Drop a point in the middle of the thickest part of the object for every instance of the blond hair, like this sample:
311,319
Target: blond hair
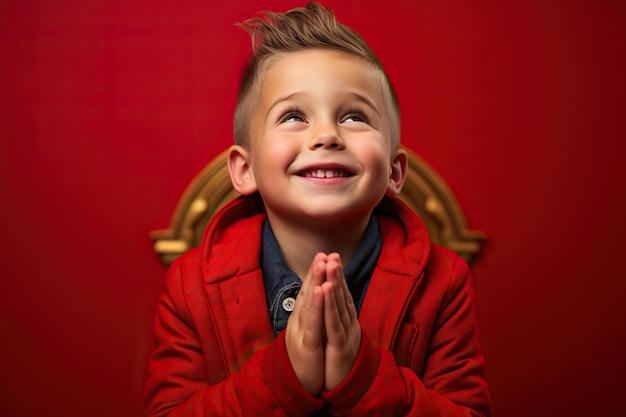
311,27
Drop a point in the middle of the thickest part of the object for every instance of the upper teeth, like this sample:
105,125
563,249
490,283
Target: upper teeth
326,173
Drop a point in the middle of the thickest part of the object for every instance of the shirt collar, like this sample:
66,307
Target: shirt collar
278,277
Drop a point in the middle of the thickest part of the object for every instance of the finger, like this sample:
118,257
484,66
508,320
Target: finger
308,311
314,321
314,278
335,331
317,271
305,330
343,297
305,345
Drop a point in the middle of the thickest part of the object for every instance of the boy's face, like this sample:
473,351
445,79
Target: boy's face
320,139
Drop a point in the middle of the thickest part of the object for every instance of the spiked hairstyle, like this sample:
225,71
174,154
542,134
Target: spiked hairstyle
311,27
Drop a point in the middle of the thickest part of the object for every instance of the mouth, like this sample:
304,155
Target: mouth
325,173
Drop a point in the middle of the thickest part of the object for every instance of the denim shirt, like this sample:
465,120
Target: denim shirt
282,284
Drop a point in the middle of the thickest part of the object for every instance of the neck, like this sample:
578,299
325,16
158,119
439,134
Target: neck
299,243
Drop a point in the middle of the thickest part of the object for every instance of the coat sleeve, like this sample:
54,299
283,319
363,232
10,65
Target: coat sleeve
178,382
452,381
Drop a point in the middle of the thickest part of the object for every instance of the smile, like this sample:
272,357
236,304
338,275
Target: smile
325,173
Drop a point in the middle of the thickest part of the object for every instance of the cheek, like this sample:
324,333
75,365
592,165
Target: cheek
268,160
283,148
377,157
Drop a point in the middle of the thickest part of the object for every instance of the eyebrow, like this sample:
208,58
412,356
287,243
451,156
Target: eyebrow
359,97
282,99
366,100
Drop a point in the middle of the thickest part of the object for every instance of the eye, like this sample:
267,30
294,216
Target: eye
355,115
293,115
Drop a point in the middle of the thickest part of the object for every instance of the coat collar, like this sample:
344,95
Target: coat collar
236,229
231,248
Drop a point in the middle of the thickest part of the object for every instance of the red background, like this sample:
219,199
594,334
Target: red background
109,108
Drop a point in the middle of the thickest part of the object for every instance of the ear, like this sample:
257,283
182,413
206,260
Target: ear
399,161
241,175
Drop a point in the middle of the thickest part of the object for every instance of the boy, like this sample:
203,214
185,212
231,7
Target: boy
366,317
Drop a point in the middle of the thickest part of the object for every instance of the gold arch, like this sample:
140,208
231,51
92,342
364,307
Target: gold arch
424,191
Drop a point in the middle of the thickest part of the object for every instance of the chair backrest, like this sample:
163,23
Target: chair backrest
424,191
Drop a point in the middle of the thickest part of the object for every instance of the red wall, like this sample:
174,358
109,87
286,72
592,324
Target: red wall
109,108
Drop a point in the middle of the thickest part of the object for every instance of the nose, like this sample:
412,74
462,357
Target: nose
327,138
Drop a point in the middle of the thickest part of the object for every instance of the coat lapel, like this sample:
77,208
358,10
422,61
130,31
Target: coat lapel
397,275
239,307
386,301
234,281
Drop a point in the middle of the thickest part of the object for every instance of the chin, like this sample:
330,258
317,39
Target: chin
327,214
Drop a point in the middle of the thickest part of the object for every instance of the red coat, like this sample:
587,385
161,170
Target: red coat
216,353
